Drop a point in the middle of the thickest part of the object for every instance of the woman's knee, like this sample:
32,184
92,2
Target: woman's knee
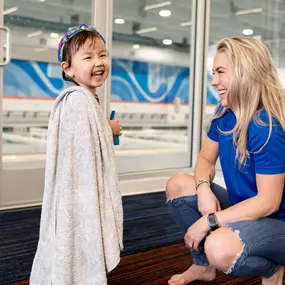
222,248
180,185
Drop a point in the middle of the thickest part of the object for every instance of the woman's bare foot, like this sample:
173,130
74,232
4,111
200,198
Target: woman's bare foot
276,278
195,272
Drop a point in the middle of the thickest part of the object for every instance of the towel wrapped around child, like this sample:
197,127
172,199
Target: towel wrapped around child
81,227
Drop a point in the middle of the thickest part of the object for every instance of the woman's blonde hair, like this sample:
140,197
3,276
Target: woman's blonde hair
254,86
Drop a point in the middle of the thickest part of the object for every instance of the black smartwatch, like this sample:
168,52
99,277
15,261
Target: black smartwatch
212,222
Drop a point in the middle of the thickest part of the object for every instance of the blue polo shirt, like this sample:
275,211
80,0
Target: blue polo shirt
270,159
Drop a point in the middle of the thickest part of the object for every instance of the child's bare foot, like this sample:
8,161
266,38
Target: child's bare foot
276,278
195,272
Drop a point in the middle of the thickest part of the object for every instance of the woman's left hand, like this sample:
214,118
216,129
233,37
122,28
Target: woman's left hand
196,233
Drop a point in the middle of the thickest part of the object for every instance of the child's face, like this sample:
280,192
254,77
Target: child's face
90,64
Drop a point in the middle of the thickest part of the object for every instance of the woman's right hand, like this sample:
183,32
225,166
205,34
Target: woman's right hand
207,201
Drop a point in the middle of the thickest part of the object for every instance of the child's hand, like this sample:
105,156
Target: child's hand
116,127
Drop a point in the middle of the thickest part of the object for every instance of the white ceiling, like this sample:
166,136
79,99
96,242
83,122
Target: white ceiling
167,27
56,16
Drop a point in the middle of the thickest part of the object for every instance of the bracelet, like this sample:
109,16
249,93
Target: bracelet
201,181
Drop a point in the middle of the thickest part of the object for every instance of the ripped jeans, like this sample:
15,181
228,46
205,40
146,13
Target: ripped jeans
263,240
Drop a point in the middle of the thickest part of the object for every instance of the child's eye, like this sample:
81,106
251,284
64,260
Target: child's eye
103,55
88,57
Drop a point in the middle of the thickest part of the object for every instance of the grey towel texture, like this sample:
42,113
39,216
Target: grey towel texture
81,232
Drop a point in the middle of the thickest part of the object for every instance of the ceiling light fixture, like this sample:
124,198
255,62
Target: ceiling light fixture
120,21
10,10
165,13
249,11
185,24
158,5
136,46
247,32
167,42
54,35
148,30
40,49
34,34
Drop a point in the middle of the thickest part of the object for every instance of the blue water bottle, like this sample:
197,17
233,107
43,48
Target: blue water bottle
116,138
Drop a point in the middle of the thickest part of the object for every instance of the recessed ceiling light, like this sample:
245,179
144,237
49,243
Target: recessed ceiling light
119,21
167,42
136,46
247,32
10,10
54,35
165,13
148,30
42,0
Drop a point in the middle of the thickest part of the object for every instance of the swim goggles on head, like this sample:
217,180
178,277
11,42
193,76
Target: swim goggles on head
72,31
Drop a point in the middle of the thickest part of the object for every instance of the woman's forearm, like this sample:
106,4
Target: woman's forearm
204,169
250,209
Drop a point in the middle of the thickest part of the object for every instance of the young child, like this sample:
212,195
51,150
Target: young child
82,218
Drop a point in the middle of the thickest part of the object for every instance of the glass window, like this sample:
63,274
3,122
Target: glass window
150,83
33,78
261,19
30,84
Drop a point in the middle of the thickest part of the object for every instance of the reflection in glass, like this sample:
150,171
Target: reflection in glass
150,82
33,78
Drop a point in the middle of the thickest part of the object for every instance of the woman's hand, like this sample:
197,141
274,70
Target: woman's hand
207,201
116,127
196,233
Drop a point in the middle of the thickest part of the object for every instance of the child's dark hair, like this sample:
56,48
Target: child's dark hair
73,45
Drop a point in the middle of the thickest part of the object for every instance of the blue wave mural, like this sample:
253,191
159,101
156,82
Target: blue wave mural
131,81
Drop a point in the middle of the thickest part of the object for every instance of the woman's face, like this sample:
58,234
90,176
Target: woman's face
221,79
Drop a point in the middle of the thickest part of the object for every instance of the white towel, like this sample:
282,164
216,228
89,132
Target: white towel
81,228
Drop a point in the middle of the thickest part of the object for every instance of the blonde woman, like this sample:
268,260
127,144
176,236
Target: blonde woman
240,231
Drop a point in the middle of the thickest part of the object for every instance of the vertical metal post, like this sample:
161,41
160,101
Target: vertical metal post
198,83
102,20
192,65
1,94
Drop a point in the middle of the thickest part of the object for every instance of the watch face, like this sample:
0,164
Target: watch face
212,221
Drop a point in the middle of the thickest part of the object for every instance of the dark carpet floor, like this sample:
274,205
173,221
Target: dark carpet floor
147,225
155,267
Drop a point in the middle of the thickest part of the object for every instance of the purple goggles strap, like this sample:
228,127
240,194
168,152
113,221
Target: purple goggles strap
71,32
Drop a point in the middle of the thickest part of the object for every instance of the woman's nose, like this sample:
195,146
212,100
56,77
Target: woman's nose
215,80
